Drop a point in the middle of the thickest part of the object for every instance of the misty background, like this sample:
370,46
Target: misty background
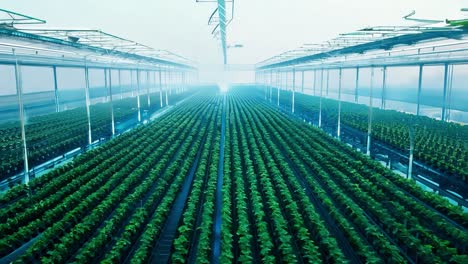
264,28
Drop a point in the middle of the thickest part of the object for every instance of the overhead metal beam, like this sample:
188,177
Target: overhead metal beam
99,51
387,43
222,27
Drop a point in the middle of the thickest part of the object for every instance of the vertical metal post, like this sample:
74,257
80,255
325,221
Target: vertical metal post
293,88
418,109
148,89
166,84
185,82
111,99
175,81
338,130
320,104
170,82
356,94
88,113
369,128
449,94
328,81
384,87
131,83
138,94
315,80
448,75
410,161
302,83
182,81
271,84
445,90
279,87
19,91
177,78
120,85
57,103
160,89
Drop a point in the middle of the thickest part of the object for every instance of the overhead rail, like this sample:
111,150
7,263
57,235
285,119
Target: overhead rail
220,18
347,45
15,30
10,18
369,40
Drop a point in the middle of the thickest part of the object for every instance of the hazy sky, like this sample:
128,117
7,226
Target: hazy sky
264,27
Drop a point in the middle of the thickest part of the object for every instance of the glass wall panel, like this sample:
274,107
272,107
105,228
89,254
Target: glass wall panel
43,124
11,144
432,91
458,99
308,82
100,107
365,84
402,89
348,88
73,117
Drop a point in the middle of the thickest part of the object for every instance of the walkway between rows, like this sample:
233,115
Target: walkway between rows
219,195
162,250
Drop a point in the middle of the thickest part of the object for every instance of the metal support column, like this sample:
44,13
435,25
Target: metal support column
302,83
369,127
271,83
315,81
356,94
138,94
449,94
410,161
88,113
328,82
19,91
57,103
120,85
160,89
131,83
446,69
418,109
320,104
293,88
110,96
279,87
170,82
185,82
166,85
338,130
148,89
384,87
448,78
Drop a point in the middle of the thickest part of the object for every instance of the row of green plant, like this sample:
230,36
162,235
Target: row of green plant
193,234
114,240
361,197
52,135
275,236
441,145
73,222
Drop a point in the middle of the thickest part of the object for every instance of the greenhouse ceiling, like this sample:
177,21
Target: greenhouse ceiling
379,46
40,46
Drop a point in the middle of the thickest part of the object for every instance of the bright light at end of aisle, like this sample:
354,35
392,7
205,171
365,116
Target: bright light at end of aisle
223,87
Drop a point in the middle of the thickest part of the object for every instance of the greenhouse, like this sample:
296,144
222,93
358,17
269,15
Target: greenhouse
223,131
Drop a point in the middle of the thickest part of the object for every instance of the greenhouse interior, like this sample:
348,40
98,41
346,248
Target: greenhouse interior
223,131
